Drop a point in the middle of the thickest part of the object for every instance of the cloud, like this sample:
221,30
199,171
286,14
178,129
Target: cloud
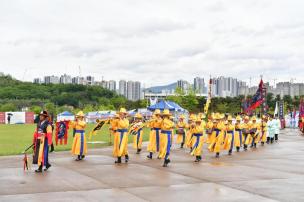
156,42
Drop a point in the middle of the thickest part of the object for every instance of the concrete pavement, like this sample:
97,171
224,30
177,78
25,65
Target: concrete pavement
270,173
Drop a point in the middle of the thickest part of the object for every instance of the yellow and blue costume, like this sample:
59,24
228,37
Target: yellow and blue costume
217,136
166,137
154,136
121,137
181,131
229,135
198,136
79,146
238,135
137,132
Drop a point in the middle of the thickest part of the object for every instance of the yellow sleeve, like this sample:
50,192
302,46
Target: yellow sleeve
49,129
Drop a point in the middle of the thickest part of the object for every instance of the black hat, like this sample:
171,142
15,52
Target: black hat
44,113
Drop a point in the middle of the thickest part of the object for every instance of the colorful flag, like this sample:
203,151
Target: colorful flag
257,99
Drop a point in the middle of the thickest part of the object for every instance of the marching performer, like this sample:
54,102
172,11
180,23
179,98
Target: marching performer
154,136
121,137
277,127
229,137
263,130
254,132
42,140
217,136
189,141
137,132
246,131
197,131
166,134
79,146
238,135
181,131
271,130
209,127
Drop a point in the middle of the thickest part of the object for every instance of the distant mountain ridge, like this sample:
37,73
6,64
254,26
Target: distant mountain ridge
159,89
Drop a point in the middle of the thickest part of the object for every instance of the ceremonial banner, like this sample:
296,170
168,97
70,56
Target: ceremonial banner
281,109
258,98
29,117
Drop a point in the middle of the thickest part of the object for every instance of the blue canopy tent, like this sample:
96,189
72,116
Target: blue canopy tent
65,116
161,105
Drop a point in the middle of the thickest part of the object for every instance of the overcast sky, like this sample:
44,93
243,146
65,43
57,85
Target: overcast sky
153,41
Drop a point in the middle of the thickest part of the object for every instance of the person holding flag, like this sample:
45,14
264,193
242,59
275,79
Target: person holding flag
79,146
41,141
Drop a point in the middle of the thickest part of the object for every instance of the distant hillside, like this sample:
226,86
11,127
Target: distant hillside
159,89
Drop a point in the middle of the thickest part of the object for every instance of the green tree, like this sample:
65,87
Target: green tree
8,107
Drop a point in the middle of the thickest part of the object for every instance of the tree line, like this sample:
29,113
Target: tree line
17,95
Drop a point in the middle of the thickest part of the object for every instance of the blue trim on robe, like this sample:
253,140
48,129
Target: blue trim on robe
168,134
157,138
138,136
197,135
121,131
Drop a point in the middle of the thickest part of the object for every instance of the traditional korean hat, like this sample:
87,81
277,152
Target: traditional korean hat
44,113
229,118
198,119
182,116
166,112
80,114
122,111
192,117
246,118
238,118
138,116
157,112
253,118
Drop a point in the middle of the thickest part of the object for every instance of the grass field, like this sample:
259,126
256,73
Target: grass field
15,138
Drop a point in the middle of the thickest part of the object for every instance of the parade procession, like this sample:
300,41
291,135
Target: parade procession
220,133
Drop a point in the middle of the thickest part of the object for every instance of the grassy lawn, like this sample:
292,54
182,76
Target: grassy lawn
15,138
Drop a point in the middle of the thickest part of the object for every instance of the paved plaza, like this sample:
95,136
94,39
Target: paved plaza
270,173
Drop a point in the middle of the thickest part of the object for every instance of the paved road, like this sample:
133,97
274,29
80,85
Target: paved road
270,173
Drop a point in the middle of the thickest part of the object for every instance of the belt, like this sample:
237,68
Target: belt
156,128
230,131
79,131
197,134
122,130
168,132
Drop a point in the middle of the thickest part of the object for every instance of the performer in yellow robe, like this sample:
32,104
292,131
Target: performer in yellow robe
209,127
263,130
229,137
246,131
181,131
79,146
189,141
198,138
121,145
238,135
254,131
217,137
137,132
166,131
154,136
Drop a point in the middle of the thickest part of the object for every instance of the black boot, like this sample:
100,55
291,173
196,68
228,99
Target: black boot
262,143
245,147
230,152
190,149
47,167
52,148
150,155
197,159
182,145
127,158
217,155
237,149
118,160
276,137
78,158
166,162
83,156
254,145
39,170
138,151
268,140
271,140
